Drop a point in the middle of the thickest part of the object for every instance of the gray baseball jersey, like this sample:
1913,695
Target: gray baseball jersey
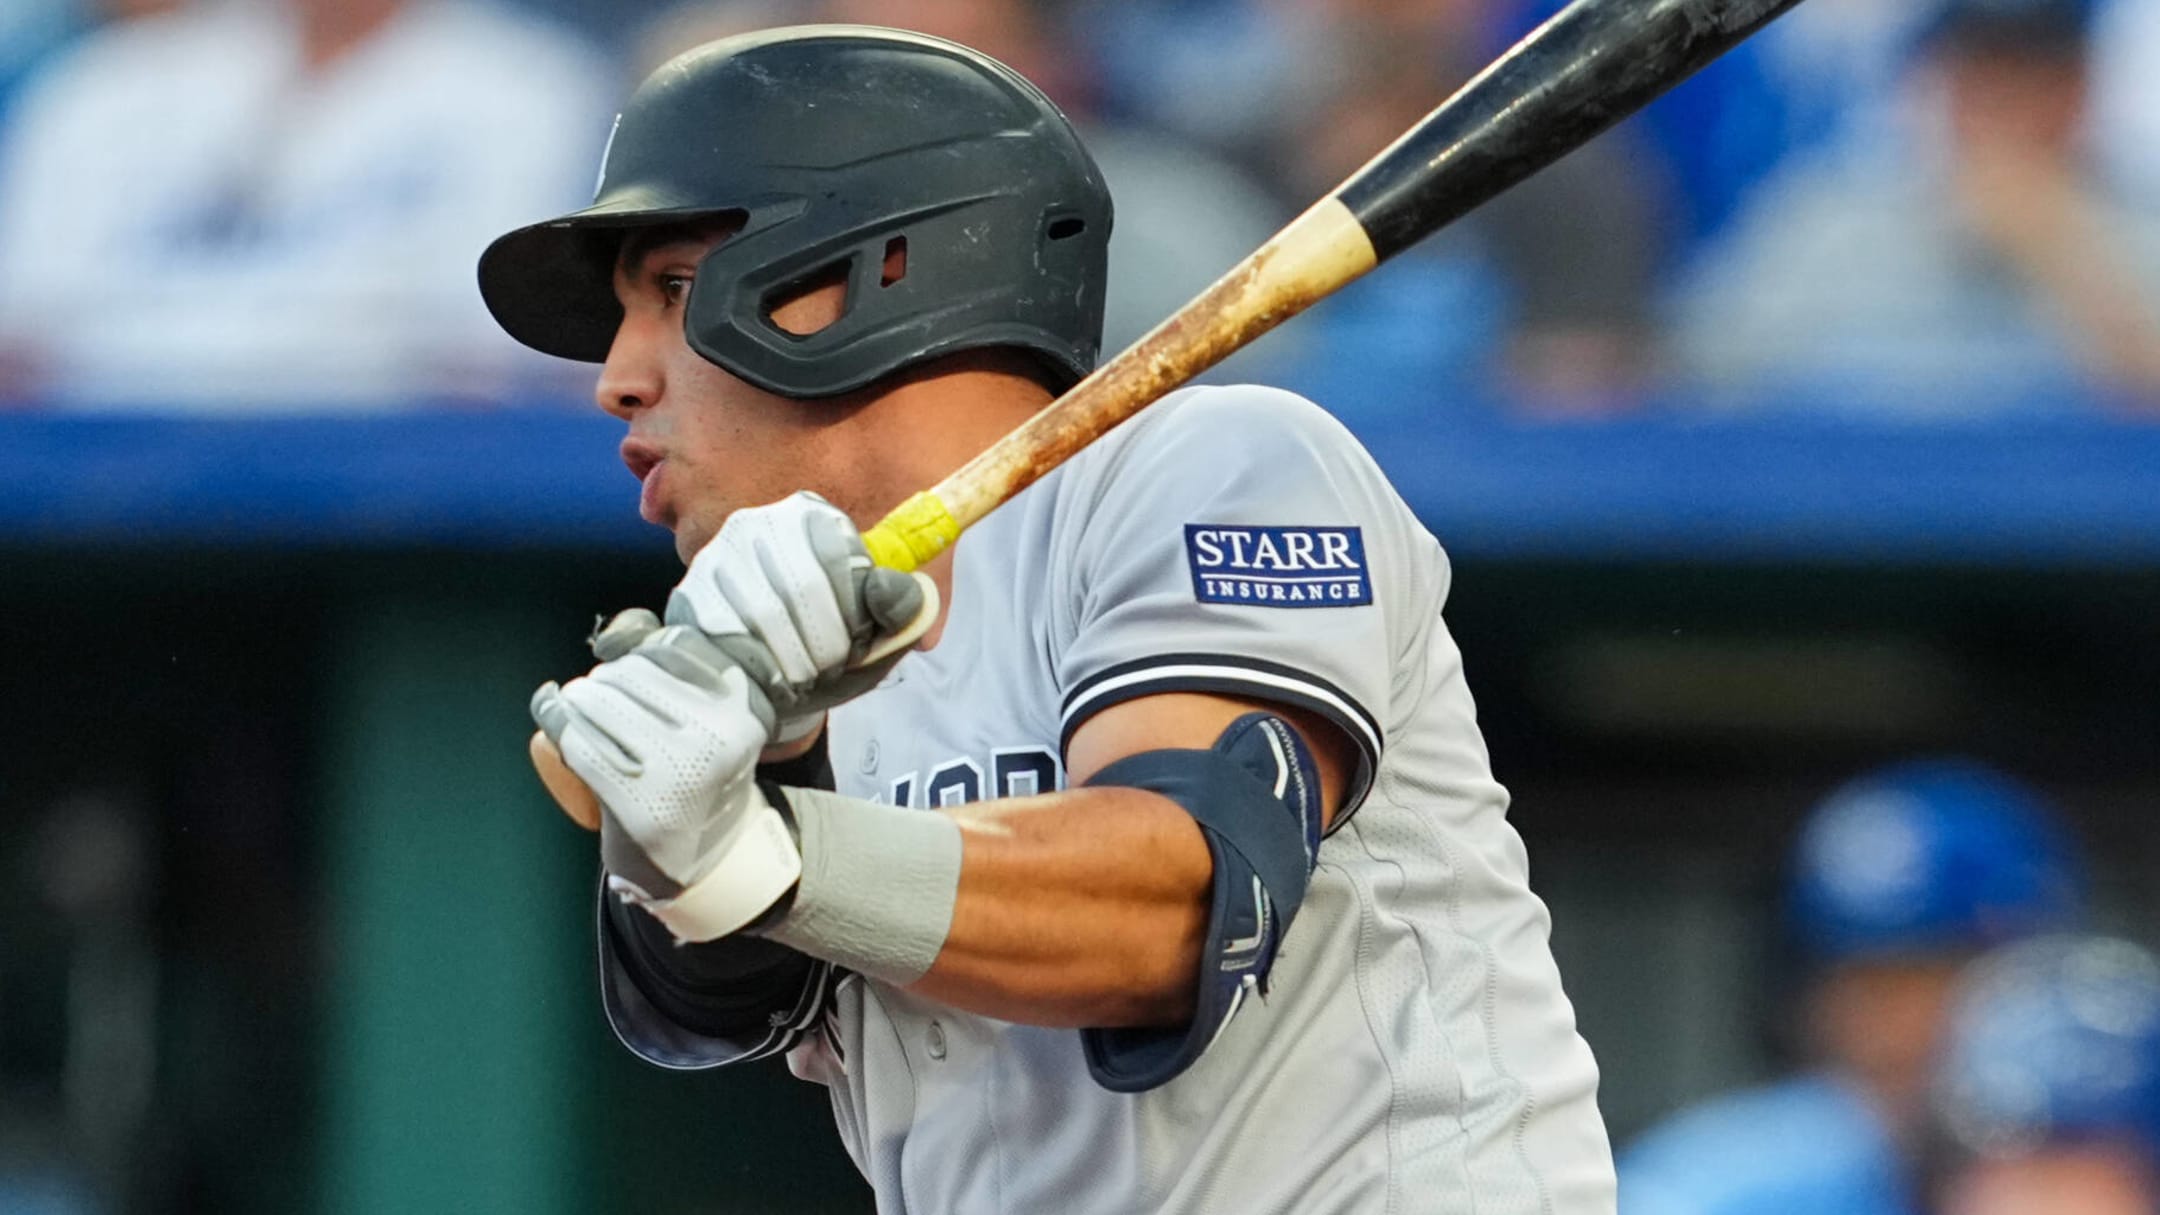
1414,1052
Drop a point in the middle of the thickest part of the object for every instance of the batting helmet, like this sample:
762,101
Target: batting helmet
1928,857
2054,1040
831,143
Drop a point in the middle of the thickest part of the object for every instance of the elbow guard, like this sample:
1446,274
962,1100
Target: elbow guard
1256,797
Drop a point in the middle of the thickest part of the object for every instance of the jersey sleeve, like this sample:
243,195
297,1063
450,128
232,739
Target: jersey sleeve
1241,544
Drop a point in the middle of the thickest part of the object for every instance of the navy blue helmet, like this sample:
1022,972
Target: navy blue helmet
834,146
2054,1040
1929,857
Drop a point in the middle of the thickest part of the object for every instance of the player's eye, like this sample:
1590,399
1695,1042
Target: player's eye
676,287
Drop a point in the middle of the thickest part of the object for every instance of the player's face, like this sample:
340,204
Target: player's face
1880,1022
1999,101
701,441
2095,1180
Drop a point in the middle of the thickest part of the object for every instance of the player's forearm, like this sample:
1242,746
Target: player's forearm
1080,908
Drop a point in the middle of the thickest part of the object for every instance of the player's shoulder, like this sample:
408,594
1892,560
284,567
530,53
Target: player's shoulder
1766,1145
1226,430
1203,454
1248,413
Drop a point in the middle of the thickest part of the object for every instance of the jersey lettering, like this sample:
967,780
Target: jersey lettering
956,782
1023,771
1014,772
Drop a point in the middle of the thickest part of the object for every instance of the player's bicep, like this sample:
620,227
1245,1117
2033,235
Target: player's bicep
1193,720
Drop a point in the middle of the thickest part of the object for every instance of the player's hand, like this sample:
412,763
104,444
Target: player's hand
666,731
795,578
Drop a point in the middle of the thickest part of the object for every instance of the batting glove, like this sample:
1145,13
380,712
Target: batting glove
795,578
667,735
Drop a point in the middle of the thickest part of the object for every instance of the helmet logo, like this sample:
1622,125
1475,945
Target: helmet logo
605,150
1869,853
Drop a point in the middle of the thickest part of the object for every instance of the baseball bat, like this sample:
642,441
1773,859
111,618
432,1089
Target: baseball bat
1593,64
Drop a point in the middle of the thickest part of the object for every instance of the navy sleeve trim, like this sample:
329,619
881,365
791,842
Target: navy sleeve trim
1232,675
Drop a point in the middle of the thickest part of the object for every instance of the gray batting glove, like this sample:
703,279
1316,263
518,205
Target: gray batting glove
666,731
794,578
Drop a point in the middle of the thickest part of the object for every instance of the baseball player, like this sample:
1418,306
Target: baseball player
1168,872
2047,1099
1898,879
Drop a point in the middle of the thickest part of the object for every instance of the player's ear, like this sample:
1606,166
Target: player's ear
821,299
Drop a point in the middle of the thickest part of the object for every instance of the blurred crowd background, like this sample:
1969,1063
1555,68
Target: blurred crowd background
1870,210
1849,837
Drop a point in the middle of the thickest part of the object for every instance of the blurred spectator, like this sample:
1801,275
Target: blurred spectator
2048,1099
1220,73
29,30
1710,138
2126,96
679,27
1541,296
1418,331
264,204
1836,64
1816,76
1982,268
1897,880
33,31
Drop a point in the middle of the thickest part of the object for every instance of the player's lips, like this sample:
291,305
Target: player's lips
644,462
650,508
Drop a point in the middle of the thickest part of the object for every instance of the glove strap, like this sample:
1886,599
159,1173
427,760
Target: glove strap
760,865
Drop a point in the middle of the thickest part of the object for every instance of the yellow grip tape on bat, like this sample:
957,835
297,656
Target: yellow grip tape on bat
916,531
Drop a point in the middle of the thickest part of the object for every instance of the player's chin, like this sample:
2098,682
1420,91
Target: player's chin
691,535
687,543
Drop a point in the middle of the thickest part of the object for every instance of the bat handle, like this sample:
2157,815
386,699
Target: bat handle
909,633
566,787
576,798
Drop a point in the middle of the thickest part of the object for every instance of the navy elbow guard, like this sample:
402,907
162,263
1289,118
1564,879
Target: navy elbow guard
1256,797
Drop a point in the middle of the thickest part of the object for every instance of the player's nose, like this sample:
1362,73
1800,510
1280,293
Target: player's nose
631,379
